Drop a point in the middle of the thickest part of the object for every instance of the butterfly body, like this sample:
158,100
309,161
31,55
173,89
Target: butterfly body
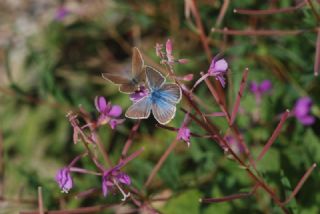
161,99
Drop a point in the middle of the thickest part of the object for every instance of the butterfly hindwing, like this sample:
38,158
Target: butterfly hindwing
163,110
140,110
127,88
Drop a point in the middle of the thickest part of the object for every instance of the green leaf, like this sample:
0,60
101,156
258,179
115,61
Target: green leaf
187,202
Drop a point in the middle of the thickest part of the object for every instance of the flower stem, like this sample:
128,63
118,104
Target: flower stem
274,135
270,11
130,139
40,201
300,184
160,162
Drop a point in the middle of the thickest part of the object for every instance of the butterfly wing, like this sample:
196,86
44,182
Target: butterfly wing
154,78
140,109
123,77
171,92
163,110
127,88
137,63
164,106
129,80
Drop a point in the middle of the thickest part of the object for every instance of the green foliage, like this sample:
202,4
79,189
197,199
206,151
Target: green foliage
61,69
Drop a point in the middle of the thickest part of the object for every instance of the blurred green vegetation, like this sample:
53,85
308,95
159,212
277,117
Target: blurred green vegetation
60,68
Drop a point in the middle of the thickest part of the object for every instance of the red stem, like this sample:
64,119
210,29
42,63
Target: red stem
40,201
240,93
230,197
317,55
160,162
274,135
130,139
300,184
258,32
131,157
270,11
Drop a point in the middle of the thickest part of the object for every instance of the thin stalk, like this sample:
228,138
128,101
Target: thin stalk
130,139
160,162
258,32
222,12
84,171
218,100
2,165
239,96
40,201
270,11
314,11
300,184
274,135
317,55
131,157
230,197
97,140
202,35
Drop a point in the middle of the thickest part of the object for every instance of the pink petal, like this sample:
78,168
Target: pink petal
183,61
221,79
307,120
104,189
100,103
124,178
115,122
169,47
221,65
115,111
265,86
254,88
169,52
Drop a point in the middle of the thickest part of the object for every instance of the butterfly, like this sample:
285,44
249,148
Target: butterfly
161,99
129,81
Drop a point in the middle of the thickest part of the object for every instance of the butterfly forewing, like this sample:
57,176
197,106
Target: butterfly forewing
137,63
171,91
141,109
117,78
154,78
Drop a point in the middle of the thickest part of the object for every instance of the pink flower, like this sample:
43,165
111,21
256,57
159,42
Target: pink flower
260,89
64,179
167,56
169,52
217,69
113,178
61,13
184,134
302,110
108,113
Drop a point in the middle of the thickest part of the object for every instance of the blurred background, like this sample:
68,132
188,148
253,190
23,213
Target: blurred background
52,54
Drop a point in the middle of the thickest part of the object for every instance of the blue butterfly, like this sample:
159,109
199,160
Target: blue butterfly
161,99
